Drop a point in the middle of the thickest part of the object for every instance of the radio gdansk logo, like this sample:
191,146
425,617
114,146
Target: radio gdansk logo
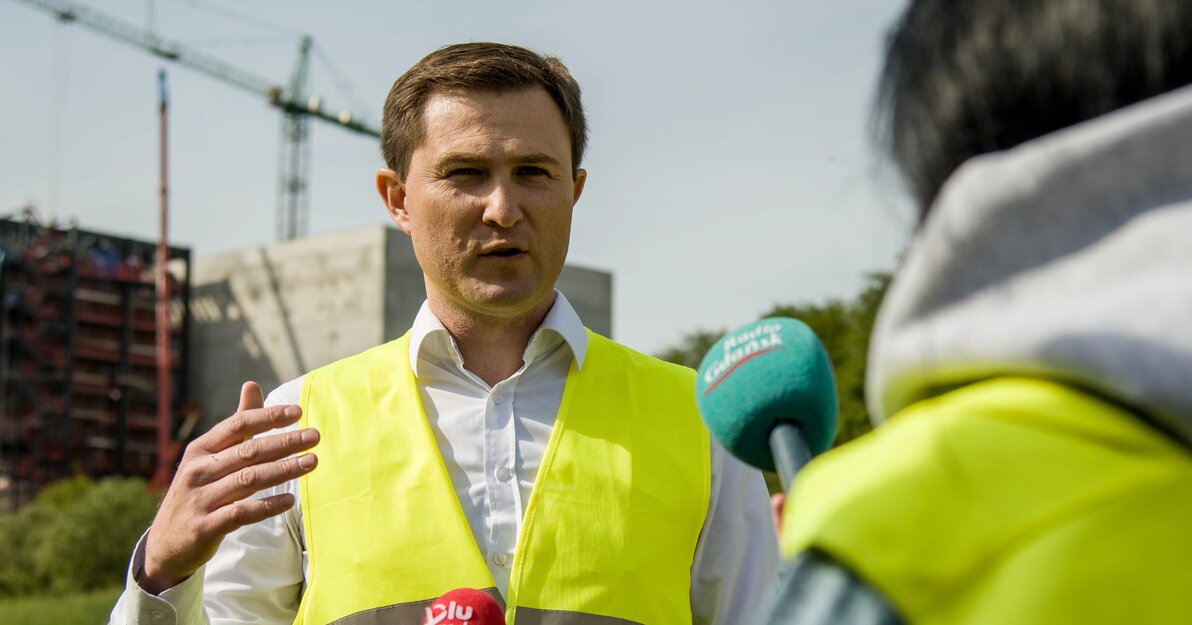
741,348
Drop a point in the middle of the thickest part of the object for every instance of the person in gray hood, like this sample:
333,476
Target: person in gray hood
1031,367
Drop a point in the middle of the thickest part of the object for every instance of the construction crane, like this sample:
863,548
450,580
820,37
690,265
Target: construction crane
296,107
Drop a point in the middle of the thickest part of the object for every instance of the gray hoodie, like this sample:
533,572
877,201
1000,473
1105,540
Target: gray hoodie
1068,257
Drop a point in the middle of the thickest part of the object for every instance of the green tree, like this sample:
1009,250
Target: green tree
20,534
692,347
94,536
845,328
77,535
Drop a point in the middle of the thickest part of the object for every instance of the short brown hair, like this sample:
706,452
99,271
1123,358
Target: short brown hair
479,67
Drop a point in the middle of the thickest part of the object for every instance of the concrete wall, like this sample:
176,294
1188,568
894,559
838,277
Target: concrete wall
405,288
271,313
590,292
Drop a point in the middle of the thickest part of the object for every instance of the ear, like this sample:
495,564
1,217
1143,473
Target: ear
393,194
581,177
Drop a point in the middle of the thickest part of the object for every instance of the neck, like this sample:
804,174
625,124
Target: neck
492,347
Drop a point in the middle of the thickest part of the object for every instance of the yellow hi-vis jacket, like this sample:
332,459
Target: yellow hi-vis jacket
1008,501
607,538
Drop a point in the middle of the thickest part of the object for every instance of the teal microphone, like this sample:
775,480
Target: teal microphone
767,393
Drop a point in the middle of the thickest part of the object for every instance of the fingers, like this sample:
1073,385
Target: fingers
241,513
218,471
244,425
253,451
250,397
777,502
228,490
251,418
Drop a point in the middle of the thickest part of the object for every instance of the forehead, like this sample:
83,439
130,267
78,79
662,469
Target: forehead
494,122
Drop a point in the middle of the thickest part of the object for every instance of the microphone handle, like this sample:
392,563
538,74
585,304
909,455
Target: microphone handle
790,451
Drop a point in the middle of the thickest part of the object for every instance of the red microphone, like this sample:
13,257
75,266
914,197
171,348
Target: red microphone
464,606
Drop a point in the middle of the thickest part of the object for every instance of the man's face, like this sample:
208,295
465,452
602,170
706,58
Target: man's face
487,202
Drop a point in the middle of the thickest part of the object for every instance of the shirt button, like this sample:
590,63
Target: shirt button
157,615
504,474
500,559
498,398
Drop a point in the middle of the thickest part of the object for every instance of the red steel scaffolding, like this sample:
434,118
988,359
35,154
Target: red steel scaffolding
78,387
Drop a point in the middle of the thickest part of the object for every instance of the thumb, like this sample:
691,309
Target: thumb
250,397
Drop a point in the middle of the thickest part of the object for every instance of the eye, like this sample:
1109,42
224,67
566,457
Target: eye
532,170
463,171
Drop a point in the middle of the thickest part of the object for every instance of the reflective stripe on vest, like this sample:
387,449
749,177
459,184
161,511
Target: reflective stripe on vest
607,537
415,612
411,612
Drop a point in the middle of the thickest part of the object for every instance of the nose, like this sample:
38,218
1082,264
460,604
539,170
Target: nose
501,206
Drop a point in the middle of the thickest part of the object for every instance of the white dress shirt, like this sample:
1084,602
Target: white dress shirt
258,573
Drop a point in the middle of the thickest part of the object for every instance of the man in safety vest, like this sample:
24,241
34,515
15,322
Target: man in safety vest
498,445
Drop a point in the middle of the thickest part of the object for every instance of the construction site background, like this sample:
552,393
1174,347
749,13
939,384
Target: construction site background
77,342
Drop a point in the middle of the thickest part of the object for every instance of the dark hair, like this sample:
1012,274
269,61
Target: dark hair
966,77
480,67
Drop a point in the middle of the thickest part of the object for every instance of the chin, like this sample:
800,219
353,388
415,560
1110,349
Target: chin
507,301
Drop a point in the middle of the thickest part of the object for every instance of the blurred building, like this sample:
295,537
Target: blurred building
78,377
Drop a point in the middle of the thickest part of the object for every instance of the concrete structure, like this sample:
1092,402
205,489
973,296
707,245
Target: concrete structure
269,314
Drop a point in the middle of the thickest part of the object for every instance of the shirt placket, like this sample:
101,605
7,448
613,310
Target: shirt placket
503,498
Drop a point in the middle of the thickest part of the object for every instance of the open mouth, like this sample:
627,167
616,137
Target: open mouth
504,252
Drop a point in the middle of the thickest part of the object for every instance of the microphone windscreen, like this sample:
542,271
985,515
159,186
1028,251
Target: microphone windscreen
464,606
759,375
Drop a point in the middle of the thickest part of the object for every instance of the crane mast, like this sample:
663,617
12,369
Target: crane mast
297,109
293,201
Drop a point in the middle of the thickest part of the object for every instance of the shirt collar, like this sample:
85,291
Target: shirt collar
427,335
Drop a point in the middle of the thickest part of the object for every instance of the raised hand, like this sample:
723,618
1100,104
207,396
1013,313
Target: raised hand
218,471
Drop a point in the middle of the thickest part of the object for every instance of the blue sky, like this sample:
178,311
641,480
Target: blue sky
730,162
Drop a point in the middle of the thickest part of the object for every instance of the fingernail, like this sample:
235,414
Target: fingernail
306,461
292,411
309,435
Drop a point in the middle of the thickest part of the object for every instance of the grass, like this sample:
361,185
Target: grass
87,608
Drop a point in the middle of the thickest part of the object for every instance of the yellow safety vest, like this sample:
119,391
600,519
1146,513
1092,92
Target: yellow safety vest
608,535
1008,501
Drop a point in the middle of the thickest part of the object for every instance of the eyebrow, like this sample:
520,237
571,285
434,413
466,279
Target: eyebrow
537,158
540,158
